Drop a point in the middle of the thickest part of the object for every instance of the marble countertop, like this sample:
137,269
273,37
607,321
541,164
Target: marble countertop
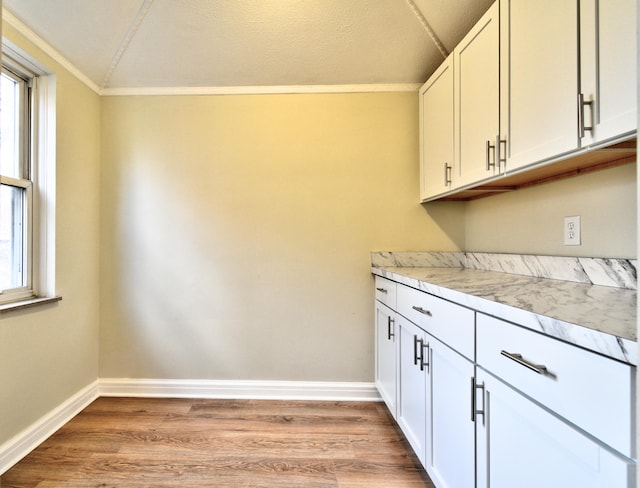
598,318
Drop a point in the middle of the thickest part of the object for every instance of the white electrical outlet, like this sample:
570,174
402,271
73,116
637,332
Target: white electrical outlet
572,231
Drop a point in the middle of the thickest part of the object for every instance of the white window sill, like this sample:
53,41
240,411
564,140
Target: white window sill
31,302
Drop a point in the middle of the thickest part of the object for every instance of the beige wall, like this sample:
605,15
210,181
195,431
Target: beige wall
530,221
237,231
49,353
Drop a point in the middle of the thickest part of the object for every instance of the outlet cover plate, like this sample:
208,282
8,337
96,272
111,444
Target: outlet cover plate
572,231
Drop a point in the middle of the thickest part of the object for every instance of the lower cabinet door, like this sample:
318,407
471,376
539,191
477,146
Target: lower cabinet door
385,354
412,386
450,453
521,444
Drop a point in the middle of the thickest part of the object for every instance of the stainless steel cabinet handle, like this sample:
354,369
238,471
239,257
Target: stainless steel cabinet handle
447,174
473,399
382,290
390,323
424,364
416,355
538,368
488,149
474,409
422,311
581,127
501,156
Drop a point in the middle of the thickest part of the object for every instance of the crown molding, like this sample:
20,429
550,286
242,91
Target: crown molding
48,49
260,90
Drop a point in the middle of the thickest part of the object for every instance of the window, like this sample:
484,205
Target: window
25,181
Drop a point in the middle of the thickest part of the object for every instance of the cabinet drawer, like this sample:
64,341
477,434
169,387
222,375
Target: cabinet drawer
386,292
587,389
448,322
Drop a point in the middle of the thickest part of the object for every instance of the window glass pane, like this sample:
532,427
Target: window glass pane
12,252
9,137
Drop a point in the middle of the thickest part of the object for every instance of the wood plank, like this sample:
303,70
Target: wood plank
132,442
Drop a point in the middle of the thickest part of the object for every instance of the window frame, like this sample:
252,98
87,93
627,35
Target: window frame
26,121
38,179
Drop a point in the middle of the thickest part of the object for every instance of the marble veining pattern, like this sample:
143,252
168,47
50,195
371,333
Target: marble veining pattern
418,259
617,273
611,272
598,318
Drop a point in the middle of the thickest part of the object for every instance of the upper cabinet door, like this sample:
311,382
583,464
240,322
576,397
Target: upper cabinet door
477,84
607,69
436,132
539,77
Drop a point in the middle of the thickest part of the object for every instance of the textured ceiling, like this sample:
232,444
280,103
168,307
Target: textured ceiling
231,43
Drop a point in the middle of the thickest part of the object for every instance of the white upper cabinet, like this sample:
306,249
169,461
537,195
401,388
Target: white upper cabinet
534,84
539,76
477,70
436,132
608,91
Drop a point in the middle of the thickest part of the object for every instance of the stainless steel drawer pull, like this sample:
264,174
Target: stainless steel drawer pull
538,368
382,290
422,310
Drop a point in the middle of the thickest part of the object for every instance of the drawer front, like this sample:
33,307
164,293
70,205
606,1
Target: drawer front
386,292
587,389
450,323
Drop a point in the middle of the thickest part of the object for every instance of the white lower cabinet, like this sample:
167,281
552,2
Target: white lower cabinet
435,374
450,445
554,415
591,391
412,385
386,355
485,403
521,444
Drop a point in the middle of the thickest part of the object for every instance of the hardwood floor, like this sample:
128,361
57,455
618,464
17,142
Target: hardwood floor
133,442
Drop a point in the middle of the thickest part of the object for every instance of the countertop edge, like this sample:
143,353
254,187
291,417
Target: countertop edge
609,345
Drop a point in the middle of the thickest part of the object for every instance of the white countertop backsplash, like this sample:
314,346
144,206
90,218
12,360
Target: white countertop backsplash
589,302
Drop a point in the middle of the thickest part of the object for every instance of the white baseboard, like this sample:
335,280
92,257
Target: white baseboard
258,390
23,443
